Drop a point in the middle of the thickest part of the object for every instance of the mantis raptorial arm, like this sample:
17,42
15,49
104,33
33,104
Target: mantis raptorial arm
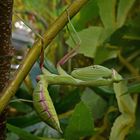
89,76
127,107
77,43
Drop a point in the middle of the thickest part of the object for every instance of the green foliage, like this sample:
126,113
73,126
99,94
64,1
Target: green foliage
69,101
133,88
90,40
123,9
81,123
105,53
107,12
24,120
93,38
22,133
21,107
85,15
91,100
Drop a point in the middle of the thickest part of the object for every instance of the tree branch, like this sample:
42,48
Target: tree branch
6,53
35,51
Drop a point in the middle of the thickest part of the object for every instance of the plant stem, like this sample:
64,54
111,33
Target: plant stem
35,51
133,70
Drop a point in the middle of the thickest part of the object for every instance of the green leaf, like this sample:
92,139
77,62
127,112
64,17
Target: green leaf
107,12
134,136
34,72
21,107
90,41
50,66
123,9
81,123
104,91
24,121
105,53
91,100
22,133
86,16
11,136
134,88
69,101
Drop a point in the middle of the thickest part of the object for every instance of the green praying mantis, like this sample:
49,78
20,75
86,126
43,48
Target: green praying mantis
88,76
95,75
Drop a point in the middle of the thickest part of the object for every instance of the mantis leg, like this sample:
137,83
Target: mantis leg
127,107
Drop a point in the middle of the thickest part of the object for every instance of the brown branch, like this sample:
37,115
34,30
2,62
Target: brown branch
34,53
6,52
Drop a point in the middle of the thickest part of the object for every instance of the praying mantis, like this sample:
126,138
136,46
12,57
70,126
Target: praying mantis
95,75
89,76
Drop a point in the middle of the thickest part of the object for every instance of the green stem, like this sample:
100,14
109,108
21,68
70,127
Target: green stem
35,51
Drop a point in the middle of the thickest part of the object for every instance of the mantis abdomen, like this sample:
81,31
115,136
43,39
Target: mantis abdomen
44,105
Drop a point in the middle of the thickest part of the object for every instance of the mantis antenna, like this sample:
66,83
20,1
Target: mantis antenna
79,40
33,30
73,52
38,35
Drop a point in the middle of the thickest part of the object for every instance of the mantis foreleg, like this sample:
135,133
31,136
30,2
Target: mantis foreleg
127,107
